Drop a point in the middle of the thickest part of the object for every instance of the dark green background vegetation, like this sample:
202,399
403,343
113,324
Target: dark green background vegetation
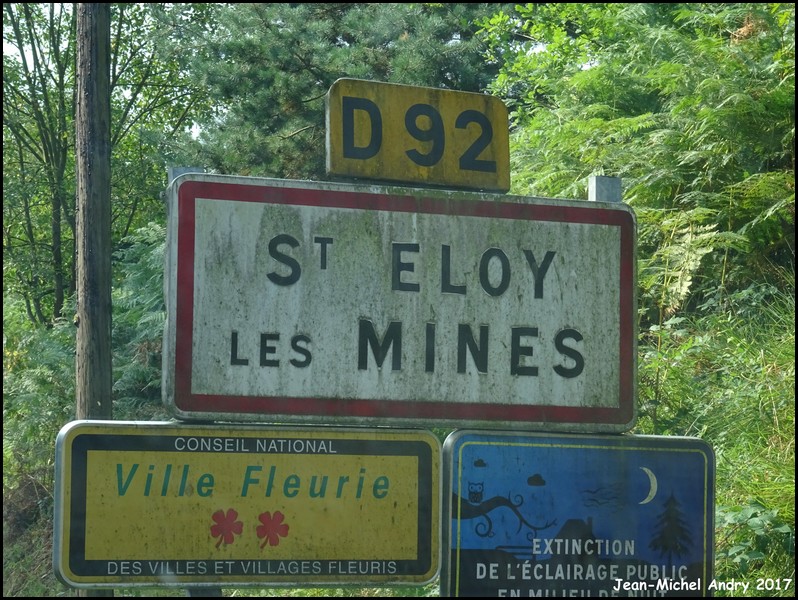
691,105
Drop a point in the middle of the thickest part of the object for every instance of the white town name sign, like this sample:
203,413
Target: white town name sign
333,303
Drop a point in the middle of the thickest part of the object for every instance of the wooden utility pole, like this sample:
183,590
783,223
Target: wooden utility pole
93,158
93,236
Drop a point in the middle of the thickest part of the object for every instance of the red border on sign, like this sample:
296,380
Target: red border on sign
266,406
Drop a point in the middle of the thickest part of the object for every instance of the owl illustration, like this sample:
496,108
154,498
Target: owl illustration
475,492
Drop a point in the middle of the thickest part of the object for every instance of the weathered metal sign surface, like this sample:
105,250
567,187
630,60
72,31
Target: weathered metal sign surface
168,504
300,301
534,515
417,135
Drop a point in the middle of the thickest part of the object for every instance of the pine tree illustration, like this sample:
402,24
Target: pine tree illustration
672,536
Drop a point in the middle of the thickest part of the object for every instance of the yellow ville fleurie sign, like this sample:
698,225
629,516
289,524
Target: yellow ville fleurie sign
143,503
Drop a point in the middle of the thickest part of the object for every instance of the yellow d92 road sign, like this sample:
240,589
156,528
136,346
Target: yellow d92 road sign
383,131
169,504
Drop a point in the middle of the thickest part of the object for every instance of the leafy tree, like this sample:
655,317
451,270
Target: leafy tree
153,98
268,67
692,105
38,108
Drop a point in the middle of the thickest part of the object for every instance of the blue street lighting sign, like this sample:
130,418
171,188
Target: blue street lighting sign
542,515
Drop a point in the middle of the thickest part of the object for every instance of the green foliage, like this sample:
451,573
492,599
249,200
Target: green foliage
153,99
38,398
38,391
692,105
39,364
38,124
27,559
269,66
729,378
138,323
673,245
752,537
39,372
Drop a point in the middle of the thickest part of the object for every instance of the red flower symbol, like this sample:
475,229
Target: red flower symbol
272,529
226,526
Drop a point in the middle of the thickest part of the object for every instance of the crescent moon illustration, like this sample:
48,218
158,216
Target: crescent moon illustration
653,491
